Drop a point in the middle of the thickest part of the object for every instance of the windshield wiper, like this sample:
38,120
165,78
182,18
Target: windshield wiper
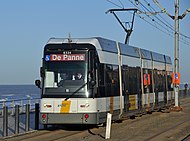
76,91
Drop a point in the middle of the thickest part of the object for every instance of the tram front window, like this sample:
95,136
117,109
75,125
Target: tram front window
64,78
57,73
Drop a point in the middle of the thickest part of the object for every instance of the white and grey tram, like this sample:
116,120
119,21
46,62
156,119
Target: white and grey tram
84,79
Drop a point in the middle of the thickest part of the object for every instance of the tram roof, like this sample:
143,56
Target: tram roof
158,57
145,54
168,59
100,43
129,50
111,46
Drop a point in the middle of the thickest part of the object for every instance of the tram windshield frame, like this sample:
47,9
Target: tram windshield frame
61,74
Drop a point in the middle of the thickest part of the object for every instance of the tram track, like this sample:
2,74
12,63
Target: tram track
171,130
46,135
168,130
56,135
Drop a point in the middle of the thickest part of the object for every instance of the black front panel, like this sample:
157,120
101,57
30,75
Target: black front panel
66,70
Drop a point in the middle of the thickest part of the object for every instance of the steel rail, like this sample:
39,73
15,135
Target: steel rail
51,135
168,129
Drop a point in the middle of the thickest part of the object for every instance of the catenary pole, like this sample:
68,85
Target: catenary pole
176,19
176,52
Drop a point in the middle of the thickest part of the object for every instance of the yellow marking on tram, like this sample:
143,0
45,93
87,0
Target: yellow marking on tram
65,106
132,101
111,104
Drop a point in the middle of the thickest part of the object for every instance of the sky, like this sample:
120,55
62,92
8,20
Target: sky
26,26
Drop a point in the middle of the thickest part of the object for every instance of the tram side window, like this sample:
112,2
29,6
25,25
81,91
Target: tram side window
111,80
115,78
133,80
169,81
101,75
109,70
108,80
159,80
156,81
93,64
162,82
101,81
150,85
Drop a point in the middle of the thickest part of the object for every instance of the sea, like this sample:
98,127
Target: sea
11,95
18,94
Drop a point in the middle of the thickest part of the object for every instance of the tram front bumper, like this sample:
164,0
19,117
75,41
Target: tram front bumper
69,118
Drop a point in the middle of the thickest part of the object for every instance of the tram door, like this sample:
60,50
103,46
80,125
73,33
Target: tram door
156,86
165,86
131,88
160,87
125,77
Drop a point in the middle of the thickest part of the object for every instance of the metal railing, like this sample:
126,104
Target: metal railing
17,119
184,93
13,111
21,102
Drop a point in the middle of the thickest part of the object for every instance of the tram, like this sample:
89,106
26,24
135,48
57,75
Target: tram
83,79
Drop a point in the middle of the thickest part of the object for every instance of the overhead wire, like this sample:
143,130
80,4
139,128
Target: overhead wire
121,4
167,26
170,32
127,24
158,22
164,10
152,19
114,3
159,15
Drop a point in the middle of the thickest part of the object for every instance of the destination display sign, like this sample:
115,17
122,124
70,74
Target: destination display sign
65,57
